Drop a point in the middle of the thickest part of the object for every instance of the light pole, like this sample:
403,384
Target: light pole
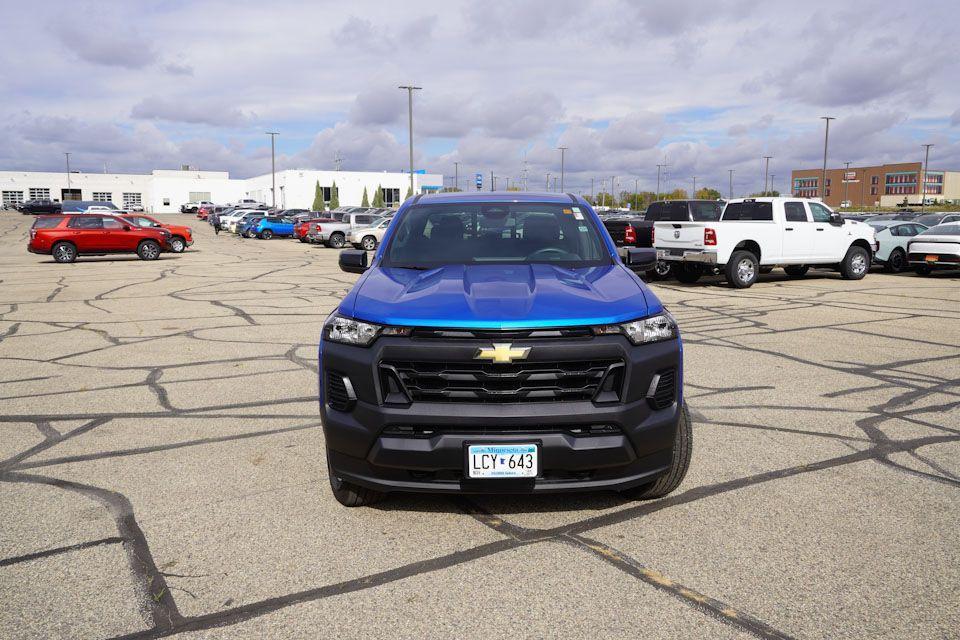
591,189
273,168
846,183
67,153
823,176
554,183
766,172
456,176
563,151
730,193
613,190
694,194
923,178
659,167
410,89
636,192
772,188
548,181
493,182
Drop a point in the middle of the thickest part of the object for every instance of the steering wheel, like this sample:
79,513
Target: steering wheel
547,252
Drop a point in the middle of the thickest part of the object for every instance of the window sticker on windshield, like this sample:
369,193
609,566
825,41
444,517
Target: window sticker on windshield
568,211
582,228
577,214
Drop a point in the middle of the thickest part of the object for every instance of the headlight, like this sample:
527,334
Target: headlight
646,330
350,331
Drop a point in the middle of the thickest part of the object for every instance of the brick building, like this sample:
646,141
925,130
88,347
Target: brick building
883,185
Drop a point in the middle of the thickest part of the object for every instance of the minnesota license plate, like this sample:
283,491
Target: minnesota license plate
502,461
933,258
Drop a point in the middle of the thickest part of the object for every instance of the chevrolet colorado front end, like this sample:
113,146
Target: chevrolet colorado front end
497,343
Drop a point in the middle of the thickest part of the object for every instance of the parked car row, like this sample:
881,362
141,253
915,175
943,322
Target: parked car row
39,207
69,236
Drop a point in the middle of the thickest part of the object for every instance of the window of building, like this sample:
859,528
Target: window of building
828,190
873,190
12,197
102,196
390,196
39,194
828,182
131,199
199,196
874,179
166,202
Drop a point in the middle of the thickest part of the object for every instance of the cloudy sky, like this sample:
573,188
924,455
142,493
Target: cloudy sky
703,87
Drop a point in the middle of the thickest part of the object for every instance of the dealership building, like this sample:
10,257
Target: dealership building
884,185
164,190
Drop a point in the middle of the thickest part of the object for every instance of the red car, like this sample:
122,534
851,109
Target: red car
67,236
204,212
301,229
181,236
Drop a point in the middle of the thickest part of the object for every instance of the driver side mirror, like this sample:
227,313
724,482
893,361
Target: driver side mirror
836,219
640,259
126,227
353,261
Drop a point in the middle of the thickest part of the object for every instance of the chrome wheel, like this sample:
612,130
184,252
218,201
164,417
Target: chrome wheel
858,264
746,270
64,253
662,268
177,245
369,243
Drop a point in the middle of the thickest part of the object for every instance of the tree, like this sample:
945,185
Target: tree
765,194
318,203
604,199
378,197
676,194
334,196
409,193
365,202
708,194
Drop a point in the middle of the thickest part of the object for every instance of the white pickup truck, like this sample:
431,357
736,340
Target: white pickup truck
762,233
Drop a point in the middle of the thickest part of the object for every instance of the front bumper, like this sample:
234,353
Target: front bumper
687,255
584,445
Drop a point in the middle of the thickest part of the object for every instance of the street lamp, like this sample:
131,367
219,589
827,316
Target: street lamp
273,167
563,151
659,167
410,89
548,181
846,182
766,172
694,193
67,153
923,178
456,176
730,193
826,139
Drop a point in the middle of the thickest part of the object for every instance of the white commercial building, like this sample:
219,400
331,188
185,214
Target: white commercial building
163,190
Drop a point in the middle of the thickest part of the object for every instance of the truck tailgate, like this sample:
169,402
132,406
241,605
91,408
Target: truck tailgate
677,236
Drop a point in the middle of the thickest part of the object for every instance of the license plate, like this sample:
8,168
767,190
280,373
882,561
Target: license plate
933,258
502,461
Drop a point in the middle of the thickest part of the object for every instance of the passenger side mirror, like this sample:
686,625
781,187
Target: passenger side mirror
836,219
353,261
641,259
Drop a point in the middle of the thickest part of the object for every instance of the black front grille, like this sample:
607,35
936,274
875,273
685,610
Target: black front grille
339,396
665,391
501,334
490,382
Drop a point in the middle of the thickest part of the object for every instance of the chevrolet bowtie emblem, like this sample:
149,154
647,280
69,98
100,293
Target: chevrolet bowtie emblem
502,352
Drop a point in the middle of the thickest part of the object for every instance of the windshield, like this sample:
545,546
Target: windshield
942,230
930,218
428,236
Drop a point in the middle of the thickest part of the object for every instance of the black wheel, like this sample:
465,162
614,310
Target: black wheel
369,243
923,269
855,264
796,270
765,270
336,241
177,244
349,494
679,463
660,271
266,234
742,269
896,261
687,272
148,250
64,252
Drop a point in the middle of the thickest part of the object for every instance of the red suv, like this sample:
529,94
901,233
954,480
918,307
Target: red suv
65,237
181,236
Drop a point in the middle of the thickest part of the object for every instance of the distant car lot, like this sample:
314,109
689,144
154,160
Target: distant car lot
161,468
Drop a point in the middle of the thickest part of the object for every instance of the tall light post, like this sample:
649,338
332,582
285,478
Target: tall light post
410,89
563,151
636,192
826,140
591,190
923,179
456,176
273,168
493,182
766,172
730,192
846,183
694,194
67,153
659,167
547,188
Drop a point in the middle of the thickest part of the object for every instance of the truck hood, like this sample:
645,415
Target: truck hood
500,296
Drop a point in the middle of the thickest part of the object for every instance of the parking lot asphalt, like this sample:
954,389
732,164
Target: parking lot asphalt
163,472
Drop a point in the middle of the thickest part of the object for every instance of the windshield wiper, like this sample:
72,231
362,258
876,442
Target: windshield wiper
415,267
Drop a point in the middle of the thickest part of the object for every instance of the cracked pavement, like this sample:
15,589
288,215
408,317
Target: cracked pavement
162,469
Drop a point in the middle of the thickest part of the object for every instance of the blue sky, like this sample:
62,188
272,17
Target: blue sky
625,85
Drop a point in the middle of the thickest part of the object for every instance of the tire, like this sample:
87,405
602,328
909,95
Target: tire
896,261
796,270
304,240
688,273
679,463
148,250
266,234
349,494
661,271
64,252
336,241
368,243
742,269
855,264
177,244
923,269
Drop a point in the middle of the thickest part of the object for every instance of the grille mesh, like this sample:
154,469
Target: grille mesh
337,396
666,390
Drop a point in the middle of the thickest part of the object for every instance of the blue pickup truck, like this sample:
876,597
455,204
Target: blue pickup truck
497,343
